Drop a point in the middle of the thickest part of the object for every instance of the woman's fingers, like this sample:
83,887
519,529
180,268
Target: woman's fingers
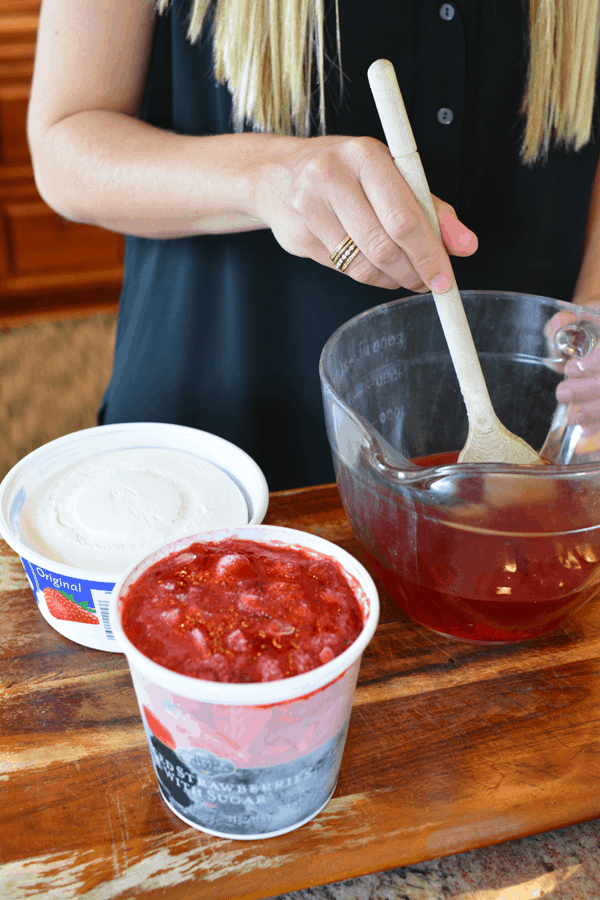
586,412
396,232
347,258
330,188
458,239
381,215
581,390
554,325
578,390
330,199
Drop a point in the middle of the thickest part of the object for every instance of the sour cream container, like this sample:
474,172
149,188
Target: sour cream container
74,599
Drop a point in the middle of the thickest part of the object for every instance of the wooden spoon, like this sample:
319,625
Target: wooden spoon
488,440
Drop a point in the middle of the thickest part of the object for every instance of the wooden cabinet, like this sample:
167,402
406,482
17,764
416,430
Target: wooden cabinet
46,262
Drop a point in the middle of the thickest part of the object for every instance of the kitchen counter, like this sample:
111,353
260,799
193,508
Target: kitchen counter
453,750
559,865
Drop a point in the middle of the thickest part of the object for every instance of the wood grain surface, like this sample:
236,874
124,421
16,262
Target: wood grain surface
451,746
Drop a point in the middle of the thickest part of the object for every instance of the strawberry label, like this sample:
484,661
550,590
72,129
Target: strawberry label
209,791
63,606
71,599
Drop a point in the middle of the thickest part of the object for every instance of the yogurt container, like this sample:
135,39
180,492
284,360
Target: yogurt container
99,479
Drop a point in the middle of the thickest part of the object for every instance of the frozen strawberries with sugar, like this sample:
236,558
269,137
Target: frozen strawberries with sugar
242,611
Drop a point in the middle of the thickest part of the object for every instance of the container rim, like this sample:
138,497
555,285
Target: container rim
387,467
258,509
261,693
428,297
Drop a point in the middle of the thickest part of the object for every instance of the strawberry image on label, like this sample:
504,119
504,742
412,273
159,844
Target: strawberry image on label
64,607
158,729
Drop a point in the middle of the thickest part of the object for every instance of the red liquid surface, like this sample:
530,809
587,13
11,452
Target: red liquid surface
437,459
473,586
241,611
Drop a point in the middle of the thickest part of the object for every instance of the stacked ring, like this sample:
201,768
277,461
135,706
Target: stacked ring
344,253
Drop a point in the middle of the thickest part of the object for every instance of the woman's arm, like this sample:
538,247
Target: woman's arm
96,162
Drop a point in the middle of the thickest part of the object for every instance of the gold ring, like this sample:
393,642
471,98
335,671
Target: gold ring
344,253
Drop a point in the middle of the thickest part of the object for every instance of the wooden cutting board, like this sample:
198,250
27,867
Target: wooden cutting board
451,746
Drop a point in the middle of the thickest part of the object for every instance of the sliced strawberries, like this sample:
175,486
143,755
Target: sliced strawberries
61,607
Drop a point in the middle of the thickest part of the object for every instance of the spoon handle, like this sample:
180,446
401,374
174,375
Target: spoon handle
403,147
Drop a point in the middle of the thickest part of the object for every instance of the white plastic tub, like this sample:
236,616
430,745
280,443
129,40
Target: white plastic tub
90,590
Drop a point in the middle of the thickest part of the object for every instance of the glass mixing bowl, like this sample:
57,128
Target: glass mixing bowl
486,552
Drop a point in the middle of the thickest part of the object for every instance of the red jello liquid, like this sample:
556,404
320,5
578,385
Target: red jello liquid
472,584
480,620
242,611
436,459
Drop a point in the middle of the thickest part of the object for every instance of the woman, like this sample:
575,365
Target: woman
230,287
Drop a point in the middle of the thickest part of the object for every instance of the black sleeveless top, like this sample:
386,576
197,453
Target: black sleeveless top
224,332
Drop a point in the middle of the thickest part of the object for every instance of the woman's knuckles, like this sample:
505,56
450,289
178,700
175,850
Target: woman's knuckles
407,230
382,251
323,169
303,201
327,169
361,151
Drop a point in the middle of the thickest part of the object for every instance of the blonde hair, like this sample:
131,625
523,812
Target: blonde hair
559,101
266,51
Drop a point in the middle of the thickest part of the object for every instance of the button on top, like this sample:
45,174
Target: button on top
444,115
447,12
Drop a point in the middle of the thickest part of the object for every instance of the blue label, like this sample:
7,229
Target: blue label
31,577
214,794
91,596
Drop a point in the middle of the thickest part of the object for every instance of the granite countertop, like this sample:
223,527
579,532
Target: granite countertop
560,865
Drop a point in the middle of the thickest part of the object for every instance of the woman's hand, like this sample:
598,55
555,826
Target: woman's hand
580,389
96,162
313,192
